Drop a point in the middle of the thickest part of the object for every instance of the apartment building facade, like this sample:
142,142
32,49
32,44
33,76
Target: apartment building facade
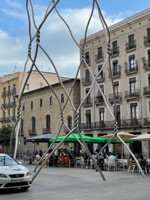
41,113
130,67
9,88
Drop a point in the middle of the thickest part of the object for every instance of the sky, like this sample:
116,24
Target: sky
54,36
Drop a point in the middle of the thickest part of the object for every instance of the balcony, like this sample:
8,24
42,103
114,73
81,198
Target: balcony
99,57
131,46
87,80
132,94
146,122
46,130
115,74
87,126
101,77
87,102
131,69
146,64
32,132
88,61
147,40
122,124
99,125
114,52
99,101
118,97
4,94
146,91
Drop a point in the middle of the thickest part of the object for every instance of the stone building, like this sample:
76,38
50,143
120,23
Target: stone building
130,67
41,112
10,86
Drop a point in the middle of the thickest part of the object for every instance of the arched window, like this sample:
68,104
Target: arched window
33,125
62,98
40,102
48,123
50,100
69,122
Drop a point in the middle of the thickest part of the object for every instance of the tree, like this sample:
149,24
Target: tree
5,133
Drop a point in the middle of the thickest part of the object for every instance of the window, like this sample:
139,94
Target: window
21,127
4,90
31,104
134,111
14,87
51,100
62,98
48,123
9,101
132,85
9,89
101,114
99,93
116,88
8,112
4,114
40,102
23,106
87,76
131,41
88,97
14,113
114,47
148,34
148,55
33,124
115,68
27,87
101,74
88,118
132,63
87,58
100,53
69,122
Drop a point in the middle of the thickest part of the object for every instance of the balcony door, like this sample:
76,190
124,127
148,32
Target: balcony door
88,118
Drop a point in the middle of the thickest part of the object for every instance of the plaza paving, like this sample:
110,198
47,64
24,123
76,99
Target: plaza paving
83,184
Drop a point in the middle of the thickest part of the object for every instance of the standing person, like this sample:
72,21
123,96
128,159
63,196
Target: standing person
56,158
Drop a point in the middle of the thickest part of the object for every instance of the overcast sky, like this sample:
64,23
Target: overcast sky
55,38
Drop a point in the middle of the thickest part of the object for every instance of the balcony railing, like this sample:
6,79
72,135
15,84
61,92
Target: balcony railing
132,94
131,46
32,132
115,74
87,80
46,130
100,78
99,100
118,97
99,57
146,64
146,122
147,40
88,61
114,52
131,69
146,91
126,123
87,102
4,93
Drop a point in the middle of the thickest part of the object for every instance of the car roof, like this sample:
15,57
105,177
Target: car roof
3,154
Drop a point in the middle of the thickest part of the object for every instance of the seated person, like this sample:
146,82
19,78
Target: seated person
111,157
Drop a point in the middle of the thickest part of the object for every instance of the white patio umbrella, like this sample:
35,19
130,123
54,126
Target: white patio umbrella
124,136
142,137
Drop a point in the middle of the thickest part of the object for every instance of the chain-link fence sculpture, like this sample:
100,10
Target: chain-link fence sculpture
32,57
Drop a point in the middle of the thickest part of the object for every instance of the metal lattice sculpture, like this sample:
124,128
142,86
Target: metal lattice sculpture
32,57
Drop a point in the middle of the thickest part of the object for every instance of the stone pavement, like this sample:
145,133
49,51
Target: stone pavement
84,184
